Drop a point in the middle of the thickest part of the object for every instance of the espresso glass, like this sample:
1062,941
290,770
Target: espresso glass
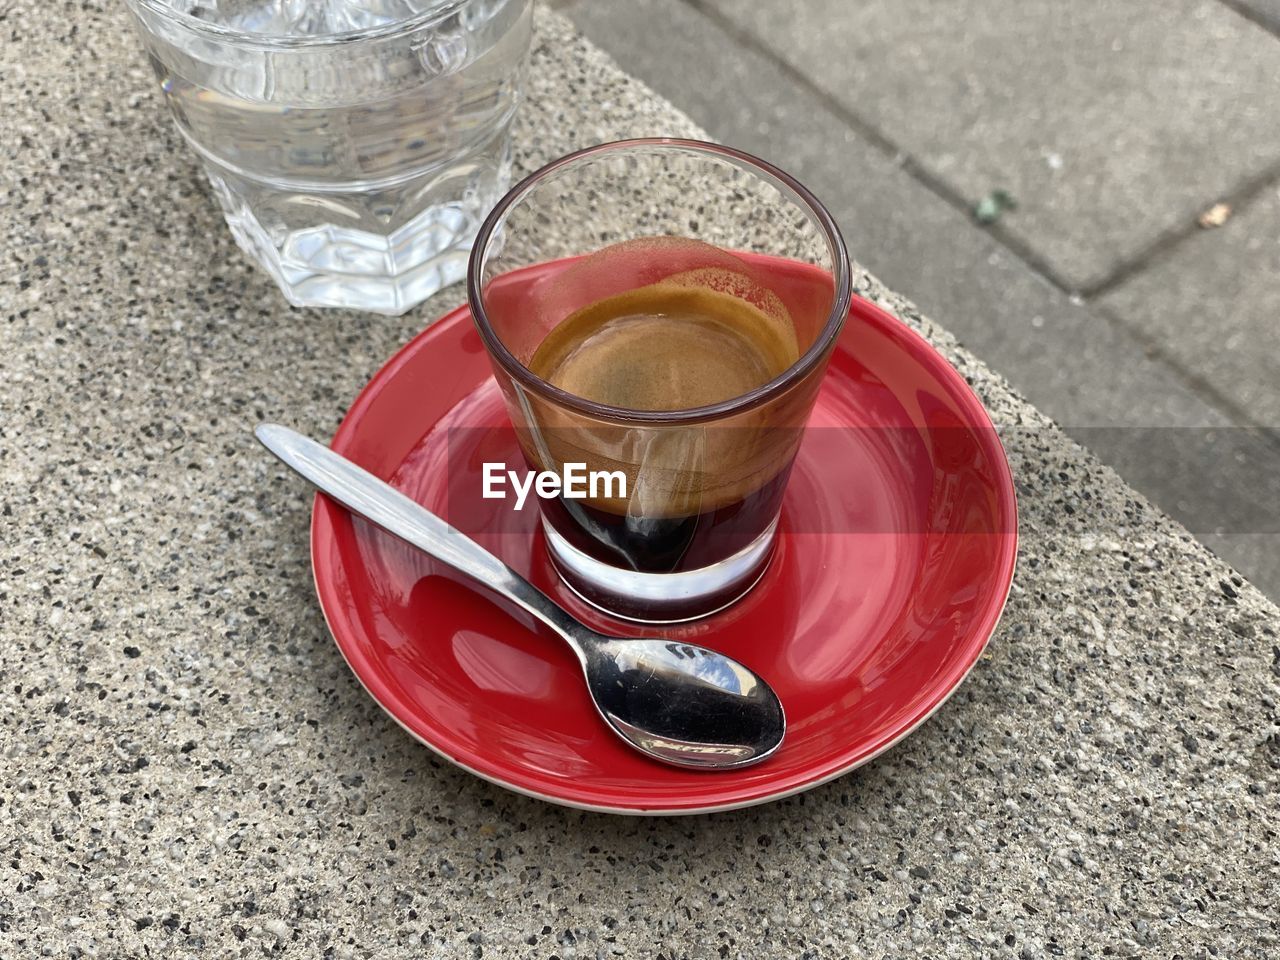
694,528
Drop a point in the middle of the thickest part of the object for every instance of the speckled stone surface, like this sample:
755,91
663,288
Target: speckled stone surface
191,771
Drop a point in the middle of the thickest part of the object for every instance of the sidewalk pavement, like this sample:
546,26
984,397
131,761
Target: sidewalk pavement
1113,127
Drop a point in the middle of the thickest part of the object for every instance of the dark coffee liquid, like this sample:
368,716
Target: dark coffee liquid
694,339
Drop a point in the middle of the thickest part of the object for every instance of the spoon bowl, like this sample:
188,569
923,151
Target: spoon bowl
683,704
676,702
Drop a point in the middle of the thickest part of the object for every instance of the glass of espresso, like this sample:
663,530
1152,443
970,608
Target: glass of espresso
659,314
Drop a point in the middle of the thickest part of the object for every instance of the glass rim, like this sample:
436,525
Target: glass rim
805,364
248,38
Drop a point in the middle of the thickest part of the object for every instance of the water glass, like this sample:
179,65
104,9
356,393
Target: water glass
354,147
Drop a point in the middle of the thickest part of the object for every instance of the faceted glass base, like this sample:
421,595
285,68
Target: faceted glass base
336,266
342,248
660,597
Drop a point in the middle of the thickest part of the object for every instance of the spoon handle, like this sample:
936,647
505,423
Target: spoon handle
379,502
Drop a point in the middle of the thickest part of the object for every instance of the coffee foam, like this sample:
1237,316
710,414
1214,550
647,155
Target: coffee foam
626,266
688,341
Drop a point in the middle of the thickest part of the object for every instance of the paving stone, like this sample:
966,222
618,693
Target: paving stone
1110,123
1214,304
1266,12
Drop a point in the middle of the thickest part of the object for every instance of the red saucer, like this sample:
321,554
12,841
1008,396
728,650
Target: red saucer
895,555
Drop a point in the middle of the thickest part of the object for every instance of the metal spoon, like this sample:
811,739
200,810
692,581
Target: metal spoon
673,701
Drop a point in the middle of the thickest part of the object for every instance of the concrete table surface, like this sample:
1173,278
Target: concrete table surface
190,769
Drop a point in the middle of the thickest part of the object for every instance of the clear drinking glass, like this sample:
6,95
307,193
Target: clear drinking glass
690,223
354,147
